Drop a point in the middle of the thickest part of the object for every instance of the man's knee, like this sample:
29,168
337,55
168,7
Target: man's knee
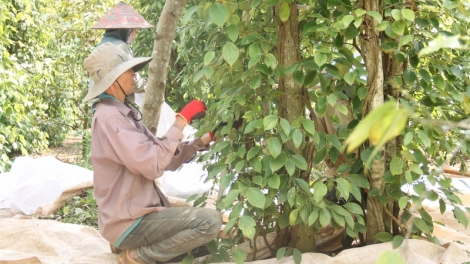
214,220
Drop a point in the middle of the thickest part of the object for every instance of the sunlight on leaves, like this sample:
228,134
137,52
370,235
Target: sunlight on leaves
441,43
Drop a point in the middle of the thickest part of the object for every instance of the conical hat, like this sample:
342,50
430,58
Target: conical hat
122,16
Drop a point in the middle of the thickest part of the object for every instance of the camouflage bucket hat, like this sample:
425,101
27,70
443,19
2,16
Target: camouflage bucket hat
105,64
122,16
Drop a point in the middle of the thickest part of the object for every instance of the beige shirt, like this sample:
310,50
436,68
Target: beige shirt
126,159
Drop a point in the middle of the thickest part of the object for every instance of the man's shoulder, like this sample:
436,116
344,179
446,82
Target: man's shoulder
105,110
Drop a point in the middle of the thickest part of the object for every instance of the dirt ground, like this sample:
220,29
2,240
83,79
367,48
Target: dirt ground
70,151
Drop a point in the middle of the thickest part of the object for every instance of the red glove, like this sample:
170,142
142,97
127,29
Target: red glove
194,110
212,135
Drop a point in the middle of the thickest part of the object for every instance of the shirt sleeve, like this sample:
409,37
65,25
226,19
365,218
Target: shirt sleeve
186,152
140,154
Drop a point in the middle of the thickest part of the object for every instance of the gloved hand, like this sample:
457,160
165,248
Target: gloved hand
194,110
237,125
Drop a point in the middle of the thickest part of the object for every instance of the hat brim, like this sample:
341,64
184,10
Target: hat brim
102,85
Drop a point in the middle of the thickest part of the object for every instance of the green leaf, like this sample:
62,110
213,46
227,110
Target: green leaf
239,256
246,224
375,15
209,57
293,216
277,163
189,13
347,20
233,32
291,196
384,237
285,126
280,253
309,77
442,206
405,40
274,146
218,14
362,93
231,196
424,138
189,259
397,241
255,82
396,166
331,99
298,77
270,122
255,197
344,187
319,191
309,126
351,32
303,184
350,77
396,14
398,27
239,166
313,216
297,137
254,60
421,225
354,208
290,167
284,12
343,110
425,75
270,60
320,58
409,76
252,152
459,214
325,217
403,202
451,4
297,256
274,181
299,161
390,257
408,14
408,138
230,53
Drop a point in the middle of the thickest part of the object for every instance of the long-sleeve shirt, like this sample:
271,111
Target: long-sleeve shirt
126,159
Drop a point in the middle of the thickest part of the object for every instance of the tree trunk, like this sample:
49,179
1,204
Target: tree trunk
158,67
291,104
371,46
392,69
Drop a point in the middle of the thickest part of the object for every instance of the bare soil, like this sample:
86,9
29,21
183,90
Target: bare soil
69,152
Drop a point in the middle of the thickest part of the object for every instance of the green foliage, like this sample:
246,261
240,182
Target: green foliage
232,59
81,210
42,79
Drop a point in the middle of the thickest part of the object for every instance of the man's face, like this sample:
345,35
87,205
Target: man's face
127,81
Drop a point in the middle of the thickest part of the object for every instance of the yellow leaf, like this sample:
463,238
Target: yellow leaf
284,13
362,131
389,126
466,104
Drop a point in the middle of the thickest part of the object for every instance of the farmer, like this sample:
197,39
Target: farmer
121,24
133,213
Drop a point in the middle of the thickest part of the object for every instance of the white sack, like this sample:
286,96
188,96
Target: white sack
35,182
